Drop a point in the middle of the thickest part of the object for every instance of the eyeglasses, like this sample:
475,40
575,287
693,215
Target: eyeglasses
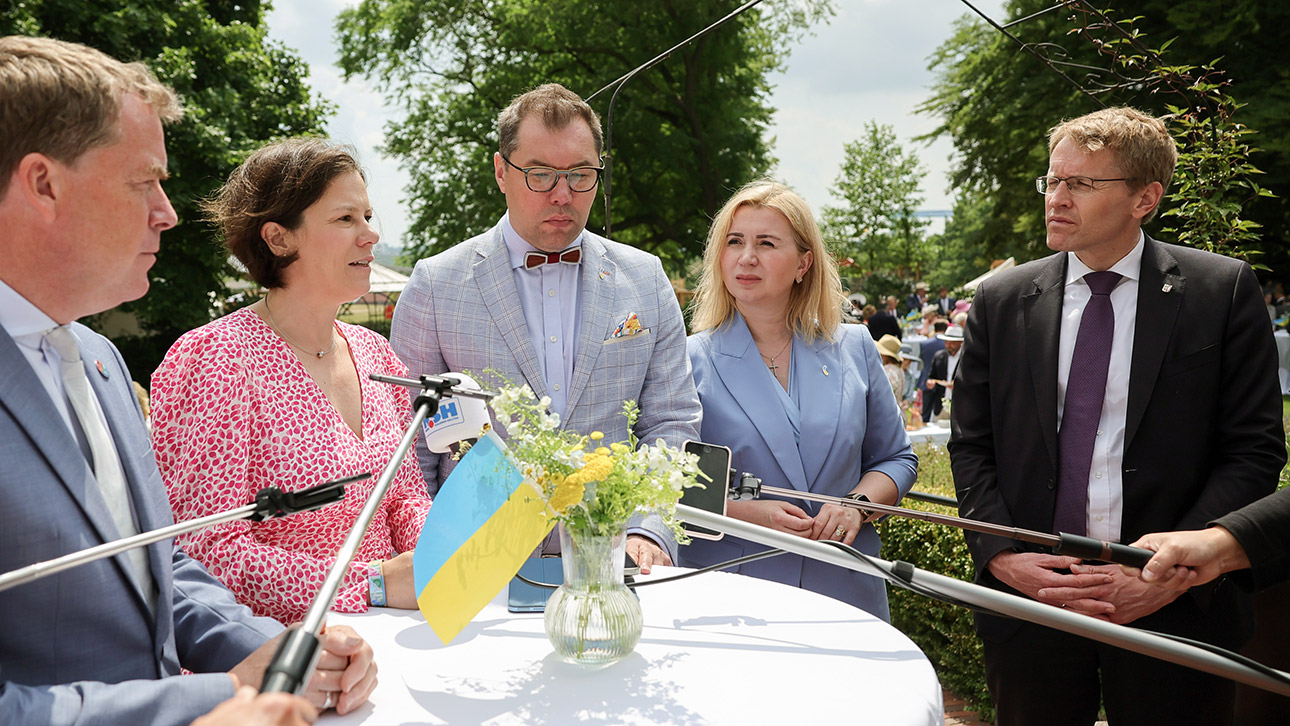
544,178
1074,184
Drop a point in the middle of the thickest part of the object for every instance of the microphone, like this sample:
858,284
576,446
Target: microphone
269,502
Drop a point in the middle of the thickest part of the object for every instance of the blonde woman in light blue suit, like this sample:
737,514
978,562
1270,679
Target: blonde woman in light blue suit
800,398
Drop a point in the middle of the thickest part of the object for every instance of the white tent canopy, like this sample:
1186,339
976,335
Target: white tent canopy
972,284
386,280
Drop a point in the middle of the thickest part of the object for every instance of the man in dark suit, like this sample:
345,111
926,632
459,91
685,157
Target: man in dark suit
1162,413
885,322
82,210
944,303
917,299
944,362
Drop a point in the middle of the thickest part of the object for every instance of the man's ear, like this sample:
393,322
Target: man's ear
39,182
499,170
277,238
1148,199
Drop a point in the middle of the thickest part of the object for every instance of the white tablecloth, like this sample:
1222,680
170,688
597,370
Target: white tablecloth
931,434
717,649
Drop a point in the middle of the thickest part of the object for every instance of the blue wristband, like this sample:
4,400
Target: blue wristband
376,584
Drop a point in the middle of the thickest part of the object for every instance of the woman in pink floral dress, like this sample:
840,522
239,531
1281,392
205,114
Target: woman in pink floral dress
277,394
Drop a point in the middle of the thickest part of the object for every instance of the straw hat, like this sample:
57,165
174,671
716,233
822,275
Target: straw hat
889,345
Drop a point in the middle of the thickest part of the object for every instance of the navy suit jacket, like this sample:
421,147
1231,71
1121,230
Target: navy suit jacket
82,646
850,425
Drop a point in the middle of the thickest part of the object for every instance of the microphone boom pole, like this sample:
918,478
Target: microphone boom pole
270,502
296,655
1062,543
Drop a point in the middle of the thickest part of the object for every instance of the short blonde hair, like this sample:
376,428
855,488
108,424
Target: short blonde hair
1144,150
814,306
62,99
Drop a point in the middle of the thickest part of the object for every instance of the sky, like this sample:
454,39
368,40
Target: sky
868,64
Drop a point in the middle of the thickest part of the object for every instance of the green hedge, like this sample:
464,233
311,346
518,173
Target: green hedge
944,632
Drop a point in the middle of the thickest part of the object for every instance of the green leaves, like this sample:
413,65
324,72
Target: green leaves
685,134
240,90
879,183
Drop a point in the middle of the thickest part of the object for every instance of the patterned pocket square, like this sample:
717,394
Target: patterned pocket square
627,327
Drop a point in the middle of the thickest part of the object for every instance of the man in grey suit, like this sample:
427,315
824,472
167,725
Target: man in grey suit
541,300
81,216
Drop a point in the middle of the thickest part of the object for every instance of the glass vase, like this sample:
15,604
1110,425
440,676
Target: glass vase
593,618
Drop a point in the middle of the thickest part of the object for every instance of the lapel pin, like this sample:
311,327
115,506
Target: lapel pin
1167,287
99,364
826,370
604,273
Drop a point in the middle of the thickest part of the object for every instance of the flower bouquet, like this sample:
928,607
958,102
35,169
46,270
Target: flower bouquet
592,490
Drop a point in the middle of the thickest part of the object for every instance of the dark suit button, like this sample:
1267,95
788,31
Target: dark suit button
1052,484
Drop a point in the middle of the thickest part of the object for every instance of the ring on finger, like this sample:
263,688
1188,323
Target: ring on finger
840,532
328,702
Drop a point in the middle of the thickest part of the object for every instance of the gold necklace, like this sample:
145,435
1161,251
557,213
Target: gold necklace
773,366
277,329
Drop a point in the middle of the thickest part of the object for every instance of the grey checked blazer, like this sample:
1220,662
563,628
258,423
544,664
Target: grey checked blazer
461,312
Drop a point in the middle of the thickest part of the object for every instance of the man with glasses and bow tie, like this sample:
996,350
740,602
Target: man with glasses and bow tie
539,299
1119,387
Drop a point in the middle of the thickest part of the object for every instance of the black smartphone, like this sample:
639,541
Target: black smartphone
714,462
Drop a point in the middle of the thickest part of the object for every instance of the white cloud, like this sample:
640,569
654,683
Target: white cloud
868,64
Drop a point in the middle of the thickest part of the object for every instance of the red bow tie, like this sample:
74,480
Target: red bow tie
570,256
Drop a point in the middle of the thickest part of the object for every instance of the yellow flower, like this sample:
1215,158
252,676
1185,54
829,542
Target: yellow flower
597,435
567,493
619,447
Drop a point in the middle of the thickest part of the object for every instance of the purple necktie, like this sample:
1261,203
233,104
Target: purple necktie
1085,392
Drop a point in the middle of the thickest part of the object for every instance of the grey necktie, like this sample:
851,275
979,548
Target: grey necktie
1085,392
107,463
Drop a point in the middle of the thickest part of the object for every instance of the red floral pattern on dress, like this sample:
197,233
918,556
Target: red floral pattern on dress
234,411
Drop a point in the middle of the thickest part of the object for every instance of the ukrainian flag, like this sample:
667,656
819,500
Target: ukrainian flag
485,521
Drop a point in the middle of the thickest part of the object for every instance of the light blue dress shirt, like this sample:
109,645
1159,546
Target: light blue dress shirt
549,299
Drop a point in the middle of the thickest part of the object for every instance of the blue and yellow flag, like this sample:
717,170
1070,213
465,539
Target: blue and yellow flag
484,523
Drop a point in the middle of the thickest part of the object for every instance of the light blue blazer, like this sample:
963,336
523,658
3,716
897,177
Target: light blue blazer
82,646
850,425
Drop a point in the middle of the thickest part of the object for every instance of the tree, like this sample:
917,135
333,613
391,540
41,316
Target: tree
879,183
686,133
996,102
239,91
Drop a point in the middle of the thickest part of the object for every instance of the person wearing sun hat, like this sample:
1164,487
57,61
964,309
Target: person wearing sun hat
889,349
940,375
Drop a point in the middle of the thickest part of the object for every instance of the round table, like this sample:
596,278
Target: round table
717,649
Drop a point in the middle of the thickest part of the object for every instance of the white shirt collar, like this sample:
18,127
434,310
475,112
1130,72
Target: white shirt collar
20,318
1129,266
